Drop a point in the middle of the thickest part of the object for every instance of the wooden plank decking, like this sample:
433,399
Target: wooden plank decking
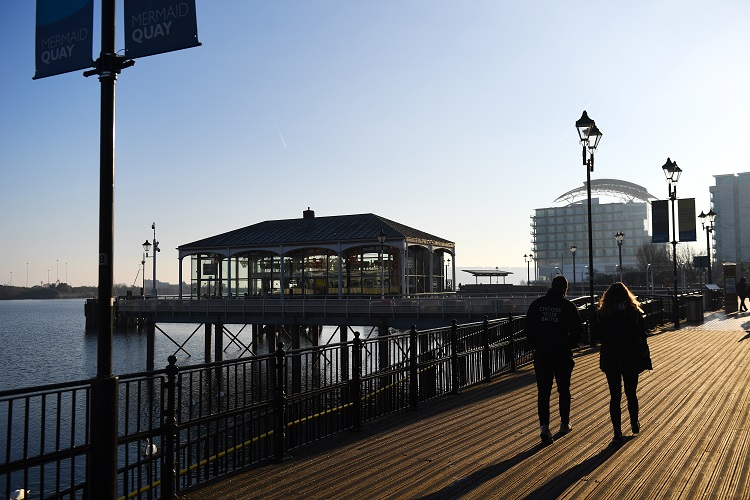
484,443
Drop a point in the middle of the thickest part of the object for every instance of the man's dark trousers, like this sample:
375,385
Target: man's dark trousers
557,366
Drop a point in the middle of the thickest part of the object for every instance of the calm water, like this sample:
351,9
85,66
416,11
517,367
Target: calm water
45,342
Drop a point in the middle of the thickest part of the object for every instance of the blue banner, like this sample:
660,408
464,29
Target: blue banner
158,26
660,221
64,40
686,216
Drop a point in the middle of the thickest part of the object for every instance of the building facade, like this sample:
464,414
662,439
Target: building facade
730,200
556,229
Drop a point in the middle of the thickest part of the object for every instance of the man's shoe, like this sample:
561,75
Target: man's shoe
546,435
565,428
618,438
636,426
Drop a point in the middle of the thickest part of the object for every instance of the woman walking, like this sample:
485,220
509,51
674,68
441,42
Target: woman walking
624,353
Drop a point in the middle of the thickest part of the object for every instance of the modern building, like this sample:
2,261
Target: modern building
730,200
556,229
322,256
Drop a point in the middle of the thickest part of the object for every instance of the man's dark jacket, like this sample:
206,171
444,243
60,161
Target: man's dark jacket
553,325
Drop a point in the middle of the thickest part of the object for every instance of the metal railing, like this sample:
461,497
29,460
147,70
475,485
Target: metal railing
181,427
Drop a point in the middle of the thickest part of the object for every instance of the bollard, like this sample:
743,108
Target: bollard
169,433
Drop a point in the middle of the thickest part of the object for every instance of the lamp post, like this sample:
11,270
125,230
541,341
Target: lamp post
709,229
589,136
672,173
156,249
381,239
143,270
527,260
619,236
573,249
447,264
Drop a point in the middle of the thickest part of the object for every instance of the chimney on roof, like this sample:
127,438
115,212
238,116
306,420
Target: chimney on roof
308,214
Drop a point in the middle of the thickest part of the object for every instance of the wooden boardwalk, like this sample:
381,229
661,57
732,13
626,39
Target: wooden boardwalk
484,442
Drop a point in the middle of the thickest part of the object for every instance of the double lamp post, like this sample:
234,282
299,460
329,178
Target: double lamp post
589,136
146,248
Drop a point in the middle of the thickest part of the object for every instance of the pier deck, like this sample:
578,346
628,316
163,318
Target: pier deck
484,442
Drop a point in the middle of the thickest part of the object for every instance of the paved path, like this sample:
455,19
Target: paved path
484,443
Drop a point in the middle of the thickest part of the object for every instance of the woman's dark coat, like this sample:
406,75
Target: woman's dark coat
622,334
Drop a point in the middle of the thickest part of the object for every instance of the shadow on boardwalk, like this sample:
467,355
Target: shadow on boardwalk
484,442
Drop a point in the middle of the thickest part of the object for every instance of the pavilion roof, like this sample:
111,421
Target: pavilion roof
310,230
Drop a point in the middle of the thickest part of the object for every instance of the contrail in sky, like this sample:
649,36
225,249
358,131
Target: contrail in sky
282,137
569,129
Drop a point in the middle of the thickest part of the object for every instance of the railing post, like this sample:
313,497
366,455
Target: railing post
413,372
169,465
512,343
356,382
454,358
486,368
280,427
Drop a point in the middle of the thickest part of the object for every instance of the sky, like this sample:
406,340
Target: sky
452,117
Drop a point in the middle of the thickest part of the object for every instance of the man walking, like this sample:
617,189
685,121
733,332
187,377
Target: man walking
742,293
553,327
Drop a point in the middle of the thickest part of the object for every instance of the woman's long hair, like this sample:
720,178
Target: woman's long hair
616,296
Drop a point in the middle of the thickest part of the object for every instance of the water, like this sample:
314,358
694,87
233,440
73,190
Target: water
45,342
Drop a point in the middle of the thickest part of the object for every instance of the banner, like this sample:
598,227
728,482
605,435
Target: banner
660,221
686,217
64,40
158,26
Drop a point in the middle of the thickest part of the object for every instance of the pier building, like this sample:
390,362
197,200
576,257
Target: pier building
555,229
338,256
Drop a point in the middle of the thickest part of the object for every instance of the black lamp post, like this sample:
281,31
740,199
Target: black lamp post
573,249
589,135
672,173
709,227
381,239
143,271
447,264
146,250
619,237
527,260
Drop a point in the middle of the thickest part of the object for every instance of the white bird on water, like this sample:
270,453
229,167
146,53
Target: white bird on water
149,449
20,495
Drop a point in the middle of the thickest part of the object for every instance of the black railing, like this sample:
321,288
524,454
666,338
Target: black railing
179,428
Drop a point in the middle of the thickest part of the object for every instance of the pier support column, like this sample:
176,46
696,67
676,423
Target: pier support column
344,337
207,343
383,354
254,344
219,342
296,361
150,345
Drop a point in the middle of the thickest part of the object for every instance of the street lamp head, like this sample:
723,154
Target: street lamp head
381,236
146,246
711,216
573,248
588,133
619,237
584,124
671,171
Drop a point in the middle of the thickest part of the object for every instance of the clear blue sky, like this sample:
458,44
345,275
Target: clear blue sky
454,117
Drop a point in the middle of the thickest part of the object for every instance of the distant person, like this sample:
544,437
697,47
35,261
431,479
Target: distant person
624,354
742,293
553,327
